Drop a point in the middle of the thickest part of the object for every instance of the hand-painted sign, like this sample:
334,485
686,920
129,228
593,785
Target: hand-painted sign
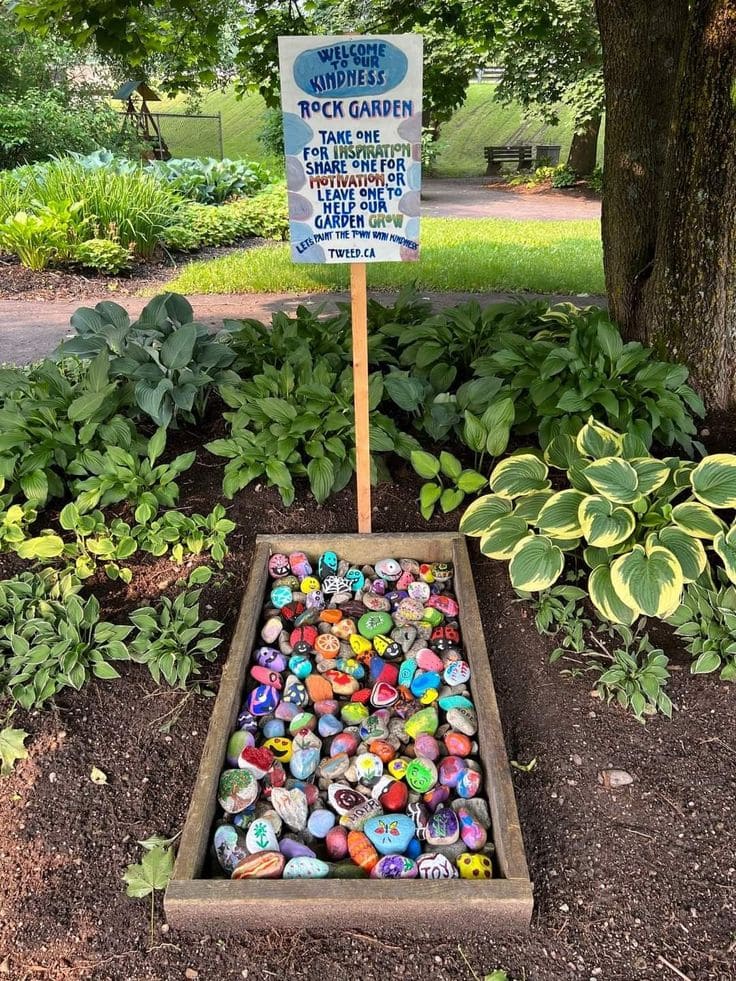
352,137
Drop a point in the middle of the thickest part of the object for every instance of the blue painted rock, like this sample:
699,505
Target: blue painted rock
451,769
320,821
261,837
344,742
262,865
425,720
294,692
327,564
468,783
356,579
263,700
388,569
351,666
456,673
329,725
432,865
414,849
304,762
273,728
237,790
306,868
291,807
295,849
280,596
407,671
443,828
394,867
300,665
421,775
334,767
422,683
230,847
472,832
389,834
269,657
336,843
448,702
237,742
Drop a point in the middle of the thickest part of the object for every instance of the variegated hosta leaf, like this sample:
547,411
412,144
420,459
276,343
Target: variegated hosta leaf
482,513
605,524
529,506
536,564
651,473
697,520
614,478
648,580
559,516
606,600
562,452
596,440
714,480
503,536
724,545
517,475
688,551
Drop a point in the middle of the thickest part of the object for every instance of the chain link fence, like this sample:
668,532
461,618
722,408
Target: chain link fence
185,136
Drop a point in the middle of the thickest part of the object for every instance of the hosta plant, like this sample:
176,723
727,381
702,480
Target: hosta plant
448,481
184,534
637,676
706,620
95,542
645,527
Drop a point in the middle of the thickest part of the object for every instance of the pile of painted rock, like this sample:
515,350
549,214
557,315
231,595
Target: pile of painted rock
355,753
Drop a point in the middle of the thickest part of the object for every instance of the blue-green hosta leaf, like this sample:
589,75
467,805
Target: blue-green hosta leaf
714,480
562,452
482,512
597,441
697,520
614,478
536,563
649,579
558,517
724,545
518,475
503,536
651,473
605,598
529,506
603,523
688,551
177,350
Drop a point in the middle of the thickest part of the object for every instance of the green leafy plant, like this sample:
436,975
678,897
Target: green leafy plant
14,523
706,620
210,181
51,638
152,873
103,255
560,612
36,239
172,361
12,748
183,534
171,640
448,482
643,524
96,542
637,676
563,176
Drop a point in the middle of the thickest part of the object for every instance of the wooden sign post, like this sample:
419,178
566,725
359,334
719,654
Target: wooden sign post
353,145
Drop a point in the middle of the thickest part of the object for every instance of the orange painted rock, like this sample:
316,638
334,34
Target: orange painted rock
344,629
330,616
382,749
327,645
262,865
360,850
318,687
458,744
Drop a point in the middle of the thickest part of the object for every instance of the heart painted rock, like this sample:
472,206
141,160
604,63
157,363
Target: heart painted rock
390,834
383,695
432,865
394,867
291,806
394,796
236,790
262,865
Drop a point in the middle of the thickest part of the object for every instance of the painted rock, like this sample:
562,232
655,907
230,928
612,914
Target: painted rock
443,827
432,865
309,584
425,720
291,848
450,771
428,660
334,585
263,700
351,666
329,725
262,865
383,694
474,866
383,749
258,760
407,671
362,696
418,590
304,762
237,790
266,677
388,569
427,746
376,603
318,688
421,775
391,833
315,602
278,565
447,605
300,565
261,837
409,611
236,743
336,843
369,768
292,612
344,742
269,657
328,645
419,813
327,564
302,638
353,713
304,720
286,711
361,850
457,673
473,833
342,684
320,822
436,796
468,783
397,767
457,743
376,725
334,767
359,645
294,692
464,720
423,682
343,798
291,806
280,596
273,728
230,847
448,702
328,706
301,666
478,807
271,630
394,867
394,796
371,624
306,868
378,586
409,565
281,747
356,579
356,818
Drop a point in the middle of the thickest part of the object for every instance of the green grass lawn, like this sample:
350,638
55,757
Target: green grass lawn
466,254
480,122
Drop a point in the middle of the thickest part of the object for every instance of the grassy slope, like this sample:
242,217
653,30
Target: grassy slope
479,122
476,255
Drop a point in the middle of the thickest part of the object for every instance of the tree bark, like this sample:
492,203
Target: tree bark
584,148
689,302
642,41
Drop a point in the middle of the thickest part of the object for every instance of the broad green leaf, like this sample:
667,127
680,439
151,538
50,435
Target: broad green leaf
605,524
518,475
321,475
651,473
529,506
153,872
470,481
498,419
503,536
708,662
714,480
278,409
688,551
450,465
562,452
605,598
536,563
177,350
697,520
156,445
648,580
85,406
558,517
429,494
724,545
451,499
11,748
614,478
482,512
474,433
200,576
426,465
41,547
35,486
403,389
597,441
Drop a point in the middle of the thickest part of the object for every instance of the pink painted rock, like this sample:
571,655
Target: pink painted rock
427,660
336,842
472,832
451,769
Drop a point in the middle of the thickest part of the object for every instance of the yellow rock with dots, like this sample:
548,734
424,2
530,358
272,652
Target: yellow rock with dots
474,866
360,645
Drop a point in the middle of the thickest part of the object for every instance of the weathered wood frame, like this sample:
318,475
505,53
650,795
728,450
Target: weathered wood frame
451,906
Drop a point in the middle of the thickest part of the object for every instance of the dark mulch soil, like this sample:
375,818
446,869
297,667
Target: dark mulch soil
637,883
19,283
580,190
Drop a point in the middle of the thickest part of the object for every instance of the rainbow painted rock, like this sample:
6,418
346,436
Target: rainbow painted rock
472,832
394,867
474,866
262,865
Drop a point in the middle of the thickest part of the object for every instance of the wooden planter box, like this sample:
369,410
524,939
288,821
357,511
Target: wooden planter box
451,906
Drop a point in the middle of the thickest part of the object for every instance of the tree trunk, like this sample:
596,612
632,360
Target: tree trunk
690,299
642,41
584,147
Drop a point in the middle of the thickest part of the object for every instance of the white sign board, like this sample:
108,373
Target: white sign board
352,138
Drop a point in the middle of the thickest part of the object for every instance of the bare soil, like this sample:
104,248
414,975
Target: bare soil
637,883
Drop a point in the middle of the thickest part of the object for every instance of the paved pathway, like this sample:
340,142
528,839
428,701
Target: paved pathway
469,197
31,330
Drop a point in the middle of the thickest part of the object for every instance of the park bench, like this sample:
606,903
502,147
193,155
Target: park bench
524,155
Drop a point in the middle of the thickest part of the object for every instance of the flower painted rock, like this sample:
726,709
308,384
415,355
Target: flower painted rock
237,790
306,868
432,865
261,837
262,865
394,867
474,866
390,834
369,768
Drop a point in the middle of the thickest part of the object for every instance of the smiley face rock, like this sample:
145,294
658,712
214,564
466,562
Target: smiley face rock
278,566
